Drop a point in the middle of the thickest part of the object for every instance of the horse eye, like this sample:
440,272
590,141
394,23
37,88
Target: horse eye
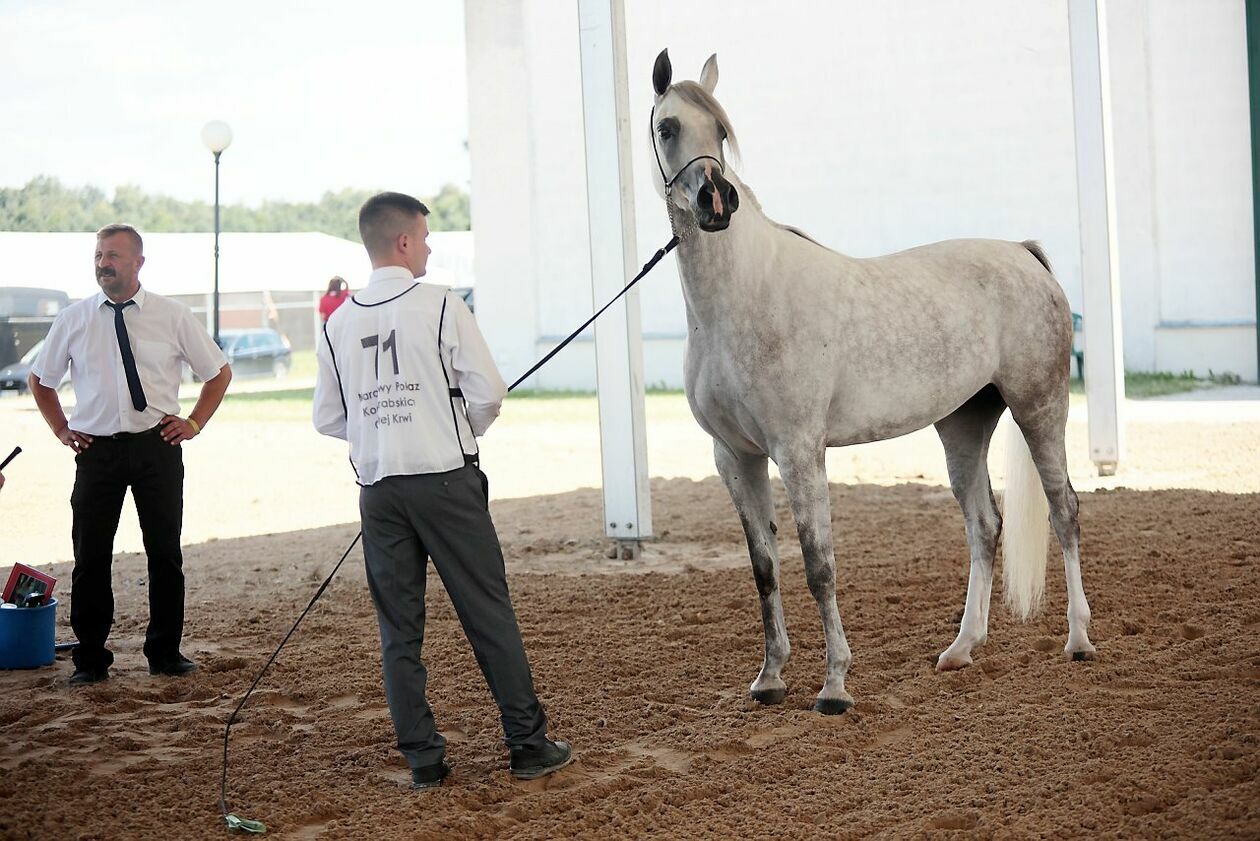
664,133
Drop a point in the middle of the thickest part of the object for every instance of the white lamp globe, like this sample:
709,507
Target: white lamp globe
217,136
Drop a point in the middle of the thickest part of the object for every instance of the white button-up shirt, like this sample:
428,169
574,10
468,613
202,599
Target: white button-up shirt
388,359
163,333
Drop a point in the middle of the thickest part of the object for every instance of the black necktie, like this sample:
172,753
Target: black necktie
129,359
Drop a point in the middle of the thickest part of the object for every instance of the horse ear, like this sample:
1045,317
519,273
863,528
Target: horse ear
662,73
709,75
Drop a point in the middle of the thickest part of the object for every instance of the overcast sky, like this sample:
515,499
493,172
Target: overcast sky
320,95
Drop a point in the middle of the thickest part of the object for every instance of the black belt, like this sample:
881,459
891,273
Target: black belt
123,436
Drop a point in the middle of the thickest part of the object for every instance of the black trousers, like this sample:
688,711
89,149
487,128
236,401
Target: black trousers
154,470
444,516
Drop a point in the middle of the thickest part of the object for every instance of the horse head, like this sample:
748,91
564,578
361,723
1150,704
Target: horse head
689,128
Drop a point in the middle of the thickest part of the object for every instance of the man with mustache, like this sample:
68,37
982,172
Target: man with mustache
126,345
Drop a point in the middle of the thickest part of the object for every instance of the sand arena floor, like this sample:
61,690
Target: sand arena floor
644,665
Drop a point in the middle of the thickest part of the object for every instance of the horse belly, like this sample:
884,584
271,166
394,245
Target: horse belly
875,401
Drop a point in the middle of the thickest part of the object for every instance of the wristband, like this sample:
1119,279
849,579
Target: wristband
196,426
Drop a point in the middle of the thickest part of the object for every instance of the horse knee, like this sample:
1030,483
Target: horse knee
820,574
959,488
763,575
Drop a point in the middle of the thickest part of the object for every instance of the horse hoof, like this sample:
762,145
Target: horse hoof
768,697
832,706
952,662
1082,656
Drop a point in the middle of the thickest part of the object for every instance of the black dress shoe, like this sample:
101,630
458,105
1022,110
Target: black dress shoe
179,665
429,776
532,763
82,677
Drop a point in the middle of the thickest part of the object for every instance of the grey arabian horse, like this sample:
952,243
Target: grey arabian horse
949,334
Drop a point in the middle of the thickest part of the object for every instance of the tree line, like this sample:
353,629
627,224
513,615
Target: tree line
45,204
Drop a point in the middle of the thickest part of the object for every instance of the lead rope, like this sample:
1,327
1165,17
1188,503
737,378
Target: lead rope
236,822
647,267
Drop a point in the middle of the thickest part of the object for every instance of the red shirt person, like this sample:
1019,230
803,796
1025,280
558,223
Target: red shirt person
338,292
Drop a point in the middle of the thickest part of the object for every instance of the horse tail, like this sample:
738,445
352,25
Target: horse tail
1025,529
1036,250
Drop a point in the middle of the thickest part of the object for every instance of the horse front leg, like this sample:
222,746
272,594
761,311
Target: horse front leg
748,482
805,477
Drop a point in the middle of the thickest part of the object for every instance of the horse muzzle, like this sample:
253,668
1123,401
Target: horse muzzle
715,203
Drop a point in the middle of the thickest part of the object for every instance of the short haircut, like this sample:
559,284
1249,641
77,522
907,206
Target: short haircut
386,215
120,228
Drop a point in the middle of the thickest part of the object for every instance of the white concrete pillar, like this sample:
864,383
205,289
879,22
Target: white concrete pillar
614,261
1138,225
499,143
1104,356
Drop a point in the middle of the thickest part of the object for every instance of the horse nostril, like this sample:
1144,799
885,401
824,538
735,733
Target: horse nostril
732,200
704,198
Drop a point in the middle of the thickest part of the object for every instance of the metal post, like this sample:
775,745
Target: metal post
216,247
614,261
1096,194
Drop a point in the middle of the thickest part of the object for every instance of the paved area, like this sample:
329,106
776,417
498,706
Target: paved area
1230,393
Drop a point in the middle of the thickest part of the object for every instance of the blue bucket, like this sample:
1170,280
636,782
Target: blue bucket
28,636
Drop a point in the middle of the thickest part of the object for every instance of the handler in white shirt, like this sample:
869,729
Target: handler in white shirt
125,346
396,364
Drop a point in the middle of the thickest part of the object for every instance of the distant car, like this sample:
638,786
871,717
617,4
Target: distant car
251,353
13,377
258,352
26,314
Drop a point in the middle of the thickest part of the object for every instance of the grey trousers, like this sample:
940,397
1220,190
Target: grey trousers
443,516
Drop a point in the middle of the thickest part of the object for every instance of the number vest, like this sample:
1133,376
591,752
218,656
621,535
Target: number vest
392,360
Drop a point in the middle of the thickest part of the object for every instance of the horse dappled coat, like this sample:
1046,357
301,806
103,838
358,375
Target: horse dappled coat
793,348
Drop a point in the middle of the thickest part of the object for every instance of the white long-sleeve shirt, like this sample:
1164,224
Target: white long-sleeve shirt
388,360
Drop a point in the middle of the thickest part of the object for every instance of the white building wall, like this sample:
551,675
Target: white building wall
877,127
1134,172
1202,152
509,274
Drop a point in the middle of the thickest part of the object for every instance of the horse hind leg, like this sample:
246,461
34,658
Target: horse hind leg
805,477
748,483
1045,437
965,434
1041,416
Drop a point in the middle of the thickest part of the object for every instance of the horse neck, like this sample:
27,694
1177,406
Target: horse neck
719,271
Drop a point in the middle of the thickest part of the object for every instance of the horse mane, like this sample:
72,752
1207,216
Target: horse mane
803,235
701,98
1035,249
749,196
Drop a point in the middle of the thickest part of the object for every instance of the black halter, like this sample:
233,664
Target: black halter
669,182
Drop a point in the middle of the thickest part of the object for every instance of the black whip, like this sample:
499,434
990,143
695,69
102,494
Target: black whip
12,455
